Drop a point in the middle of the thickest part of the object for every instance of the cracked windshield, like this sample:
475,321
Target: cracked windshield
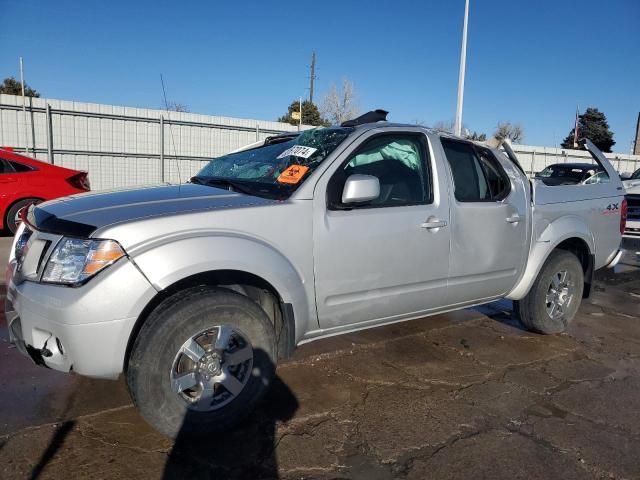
276,168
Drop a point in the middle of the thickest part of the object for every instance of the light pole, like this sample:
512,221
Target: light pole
463,62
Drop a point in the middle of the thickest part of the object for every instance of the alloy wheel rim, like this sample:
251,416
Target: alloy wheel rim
212,368
18,217
559,294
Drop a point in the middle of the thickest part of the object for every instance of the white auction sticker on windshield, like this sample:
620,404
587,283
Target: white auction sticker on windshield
298,151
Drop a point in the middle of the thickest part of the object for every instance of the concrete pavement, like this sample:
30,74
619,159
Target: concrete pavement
463,395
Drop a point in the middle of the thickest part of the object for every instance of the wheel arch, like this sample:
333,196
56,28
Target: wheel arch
4,219
244,283
569,234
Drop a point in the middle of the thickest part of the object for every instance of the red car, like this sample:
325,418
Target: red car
24,180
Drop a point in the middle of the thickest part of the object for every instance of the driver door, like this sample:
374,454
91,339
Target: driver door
387,258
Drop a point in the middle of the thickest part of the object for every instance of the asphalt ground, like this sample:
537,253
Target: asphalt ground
469,394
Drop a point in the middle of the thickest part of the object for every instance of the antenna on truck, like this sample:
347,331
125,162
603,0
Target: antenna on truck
173,143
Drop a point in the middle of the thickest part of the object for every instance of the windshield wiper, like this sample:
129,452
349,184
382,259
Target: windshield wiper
231,185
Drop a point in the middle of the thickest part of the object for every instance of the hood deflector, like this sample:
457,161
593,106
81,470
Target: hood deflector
43,221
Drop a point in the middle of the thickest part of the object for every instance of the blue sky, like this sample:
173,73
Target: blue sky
528,61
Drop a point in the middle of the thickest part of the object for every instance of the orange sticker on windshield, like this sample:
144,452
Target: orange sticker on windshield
293,174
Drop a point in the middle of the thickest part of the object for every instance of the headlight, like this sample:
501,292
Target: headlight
75,260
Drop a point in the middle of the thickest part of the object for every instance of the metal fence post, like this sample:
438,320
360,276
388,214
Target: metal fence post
33,128
162,148
49,134
533,162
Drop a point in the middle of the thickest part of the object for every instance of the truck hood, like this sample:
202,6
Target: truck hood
81,215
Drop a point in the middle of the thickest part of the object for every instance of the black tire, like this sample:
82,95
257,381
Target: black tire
9,220
533,309
176,320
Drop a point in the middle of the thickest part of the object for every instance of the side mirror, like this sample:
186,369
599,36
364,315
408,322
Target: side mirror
360,188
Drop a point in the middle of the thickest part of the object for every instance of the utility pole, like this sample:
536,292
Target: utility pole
463,62
312,77
636,143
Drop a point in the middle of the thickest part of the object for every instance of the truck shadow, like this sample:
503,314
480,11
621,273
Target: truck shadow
247,451
501,311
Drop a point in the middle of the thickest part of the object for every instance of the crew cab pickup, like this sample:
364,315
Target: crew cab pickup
194,291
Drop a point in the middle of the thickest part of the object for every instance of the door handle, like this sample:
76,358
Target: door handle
433,223
515,218
7,179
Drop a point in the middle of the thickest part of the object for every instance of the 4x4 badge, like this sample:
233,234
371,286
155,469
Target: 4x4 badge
612,208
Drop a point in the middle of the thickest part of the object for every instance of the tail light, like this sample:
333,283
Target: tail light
623,216
80,181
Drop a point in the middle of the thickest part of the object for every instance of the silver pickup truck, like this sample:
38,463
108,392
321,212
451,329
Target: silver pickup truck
194,291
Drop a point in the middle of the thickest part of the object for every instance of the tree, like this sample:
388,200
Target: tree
310,114
11,86
478,137
449,126
515,133
444,125
592,124
340,106
177,107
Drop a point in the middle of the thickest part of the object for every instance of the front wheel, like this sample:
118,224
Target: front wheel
12,220
201,361
555,296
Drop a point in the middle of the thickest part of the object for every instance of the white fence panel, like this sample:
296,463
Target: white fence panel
123,146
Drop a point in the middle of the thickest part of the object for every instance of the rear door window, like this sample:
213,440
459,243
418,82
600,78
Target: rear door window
477,174
19,167
5,167
9,166
600,177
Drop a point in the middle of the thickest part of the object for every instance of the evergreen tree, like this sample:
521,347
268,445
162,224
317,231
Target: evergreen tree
310,114
11,86
592,124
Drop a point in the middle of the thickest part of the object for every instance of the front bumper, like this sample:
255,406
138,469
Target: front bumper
84,329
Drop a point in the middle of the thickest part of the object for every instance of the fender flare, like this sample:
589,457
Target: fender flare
170,262
556,232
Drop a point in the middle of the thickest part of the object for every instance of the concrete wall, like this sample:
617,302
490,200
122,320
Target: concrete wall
122,146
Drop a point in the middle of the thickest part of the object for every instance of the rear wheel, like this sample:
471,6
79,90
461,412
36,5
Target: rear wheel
12,220
555,296
201,361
